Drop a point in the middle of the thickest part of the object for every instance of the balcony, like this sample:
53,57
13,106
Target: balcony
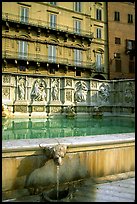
29,23
44,59
98,69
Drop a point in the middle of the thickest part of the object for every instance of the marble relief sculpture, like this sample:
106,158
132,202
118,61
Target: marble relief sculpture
39,90
104,92
55,89
21,88
81,91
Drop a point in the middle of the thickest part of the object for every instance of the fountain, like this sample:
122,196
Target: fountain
25,166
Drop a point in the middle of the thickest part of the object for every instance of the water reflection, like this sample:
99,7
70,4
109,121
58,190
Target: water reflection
63,127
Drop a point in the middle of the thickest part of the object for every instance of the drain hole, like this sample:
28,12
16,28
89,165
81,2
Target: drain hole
52,195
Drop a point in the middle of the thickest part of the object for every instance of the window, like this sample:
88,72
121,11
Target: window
23,49
130,18
117,41
99,14
24,14
118,65
131,67
77,26
78,73
53,20
130,44
77,6
98,61
52,53
117,16
77,57
99,33
53,3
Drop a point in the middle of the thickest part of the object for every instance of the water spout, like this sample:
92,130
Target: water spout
56,153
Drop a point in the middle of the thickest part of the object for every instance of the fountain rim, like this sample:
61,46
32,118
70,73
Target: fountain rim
71,142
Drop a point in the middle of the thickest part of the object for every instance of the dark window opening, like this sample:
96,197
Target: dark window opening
131,67
98,14
78,73
117,41
117,16
130,18
118,65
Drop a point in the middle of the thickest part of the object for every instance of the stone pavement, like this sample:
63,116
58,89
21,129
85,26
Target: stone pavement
122,190
115,191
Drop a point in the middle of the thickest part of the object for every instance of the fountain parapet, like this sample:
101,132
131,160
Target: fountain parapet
97,113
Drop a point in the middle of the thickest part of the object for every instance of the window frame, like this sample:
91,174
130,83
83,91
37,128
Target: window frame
130,18
99,33
24,14
52,53
116,16
98,61
77,6
117,41
99,14
77,26
52,20
77,57
22,49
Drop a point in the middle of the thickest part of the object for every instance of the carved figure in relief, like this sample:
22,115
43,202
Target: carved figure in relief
55,89
81,91
21,89
104,92
39,90
128,92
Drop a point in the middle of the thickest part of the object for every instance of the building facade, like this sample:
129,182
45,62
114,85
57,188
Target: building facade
121,39
55,38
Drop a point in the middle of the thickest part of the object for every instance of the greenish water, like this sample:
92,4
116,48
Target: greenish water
63,127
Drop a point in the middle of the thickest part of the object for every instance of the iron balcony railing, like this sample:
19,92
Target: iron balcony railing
45,25
45,59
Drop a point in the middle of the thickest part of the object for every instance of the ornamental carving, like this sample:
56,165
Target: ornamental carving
128,93
6,92
38,92
21,88
68,95
55,89
6,79
68,82
81,90
104,92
